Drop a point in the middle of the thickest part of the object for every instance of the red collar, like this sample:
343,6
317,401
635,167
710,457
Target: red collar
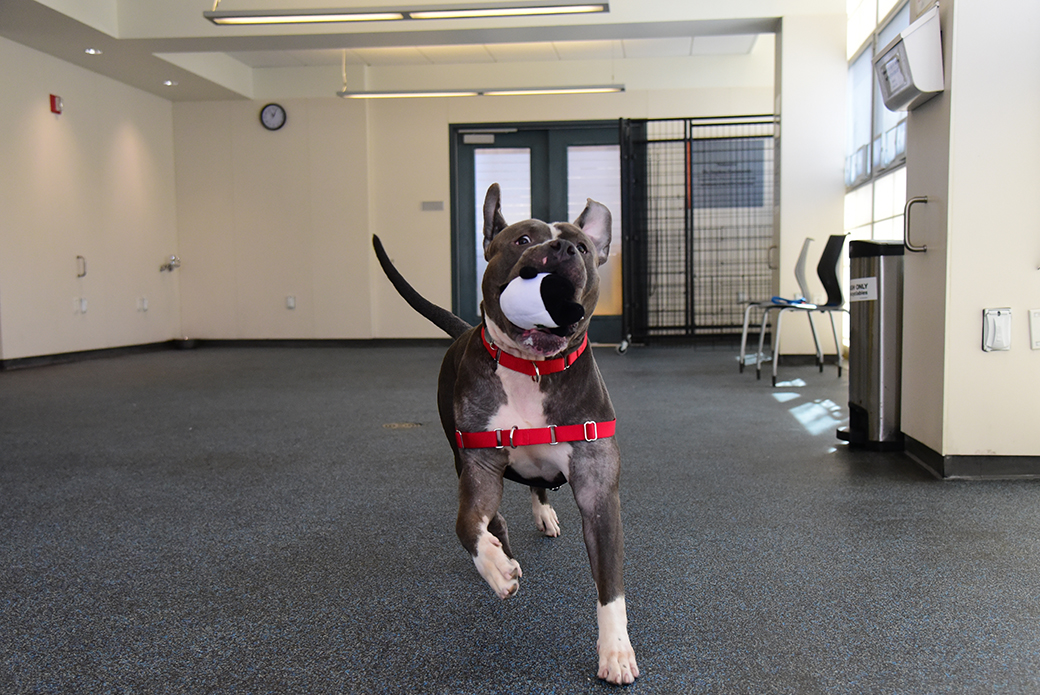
532,368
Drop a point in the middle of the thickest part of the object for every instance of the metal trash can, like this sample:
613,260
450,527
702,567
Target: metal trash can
875,345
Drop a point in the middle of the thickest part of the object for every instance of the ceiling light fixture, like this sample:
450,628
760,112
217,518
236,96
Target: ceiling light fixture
170,83
513,11
93,51
520,8
406,94
600,89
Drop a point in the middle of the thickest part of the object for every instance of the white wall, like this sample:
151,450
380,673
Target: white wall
810,89
96,181
981,232
265,215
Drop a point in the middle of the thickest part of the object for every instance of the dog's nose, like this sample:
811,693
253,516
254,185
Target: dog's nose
562,246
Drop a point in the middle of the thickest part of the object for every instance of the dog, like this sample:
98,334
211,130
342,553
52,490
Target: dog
525,401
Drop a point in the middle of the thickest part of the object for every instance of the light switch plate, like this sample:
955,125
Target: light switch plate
1034,328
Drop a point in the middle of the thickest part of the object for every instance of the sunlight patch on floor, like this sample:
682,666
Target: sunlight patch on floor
818,416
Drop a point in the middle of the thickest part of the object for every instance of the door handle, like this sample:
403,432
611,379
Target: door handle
906,225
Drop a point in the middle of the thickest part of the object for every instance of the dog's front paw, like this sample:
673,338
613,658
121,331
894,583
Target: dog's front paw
501,572
617,659
545,519
617,663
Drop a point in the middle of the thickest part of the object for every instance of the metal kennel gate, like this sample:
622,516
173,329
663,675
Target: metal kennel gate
699,214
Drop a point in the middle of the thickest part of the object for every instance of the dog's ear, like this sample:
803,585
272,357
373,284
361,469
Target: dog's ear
595,221
493,220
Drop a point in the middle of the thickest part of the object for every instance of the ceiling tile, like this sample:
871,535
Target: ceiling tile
658,48
522,52
588,50
724,45
453,55
392,55
266,59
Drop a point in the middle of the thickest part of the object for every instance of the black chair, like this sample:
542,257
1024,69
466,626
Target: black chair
827,270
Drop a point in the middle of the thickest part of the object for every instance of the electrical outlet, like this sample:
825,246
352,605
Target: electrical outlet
290,302
1034,328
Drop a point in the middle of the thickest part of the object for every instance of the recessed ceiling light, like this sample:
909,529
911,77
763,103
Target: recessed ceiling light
170,83
93,51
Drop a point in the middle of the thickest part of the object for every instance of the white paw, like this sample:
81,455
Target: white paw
545,519
500,572
617,659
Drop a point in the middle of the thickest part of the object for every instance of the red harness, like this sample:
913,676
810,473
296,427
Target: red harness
553,434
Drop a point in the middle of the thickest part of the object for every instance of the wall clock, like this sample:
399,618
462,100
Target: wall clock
272,116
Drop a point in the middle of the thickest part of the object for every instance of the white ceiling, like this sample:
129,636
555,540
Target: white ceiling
539,51
210,62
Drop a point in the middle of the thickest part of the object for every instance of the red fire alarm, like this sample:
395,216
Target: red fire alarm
55,104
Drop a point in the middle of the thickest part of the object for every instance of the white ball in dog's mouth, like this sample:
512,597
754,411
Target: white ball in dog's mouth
521,302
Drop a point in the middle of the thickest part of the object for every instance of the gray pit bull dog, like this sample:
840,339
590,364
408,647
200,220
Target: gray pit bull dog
529,404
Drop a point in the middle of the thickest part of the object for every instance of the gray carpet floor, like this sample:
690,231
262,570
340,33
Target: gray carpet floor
272,520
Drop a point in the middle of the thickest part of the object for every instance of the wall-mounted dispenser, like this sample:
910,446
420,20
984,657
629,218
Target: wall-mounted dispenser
910,68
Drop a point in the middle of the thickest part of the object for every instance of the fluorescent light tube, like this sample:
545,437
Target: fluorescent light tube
605,89
316,17
405,95
489,12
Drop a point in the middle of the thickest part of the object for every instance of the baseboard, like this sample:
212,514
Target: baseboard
190,344
83,355
972,467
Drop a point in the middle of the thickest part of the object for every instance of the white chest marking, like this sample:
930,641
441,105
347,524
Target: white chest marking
525,408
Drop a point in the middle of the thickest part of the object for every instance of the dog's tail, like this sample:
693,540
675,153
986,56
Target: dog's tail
442,318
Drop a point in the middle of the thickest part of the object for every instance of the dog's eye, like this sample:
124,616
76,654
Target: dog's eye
583,248
523,241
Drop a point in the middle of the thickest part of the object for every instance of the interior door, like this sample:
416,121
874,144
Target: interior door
546,172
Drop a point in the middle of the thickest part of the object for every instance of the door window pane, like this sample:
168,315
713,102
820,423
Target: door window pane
510,168
594,171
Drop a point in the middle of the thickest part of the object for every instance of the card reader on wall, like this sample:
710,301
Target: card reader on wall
910,68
